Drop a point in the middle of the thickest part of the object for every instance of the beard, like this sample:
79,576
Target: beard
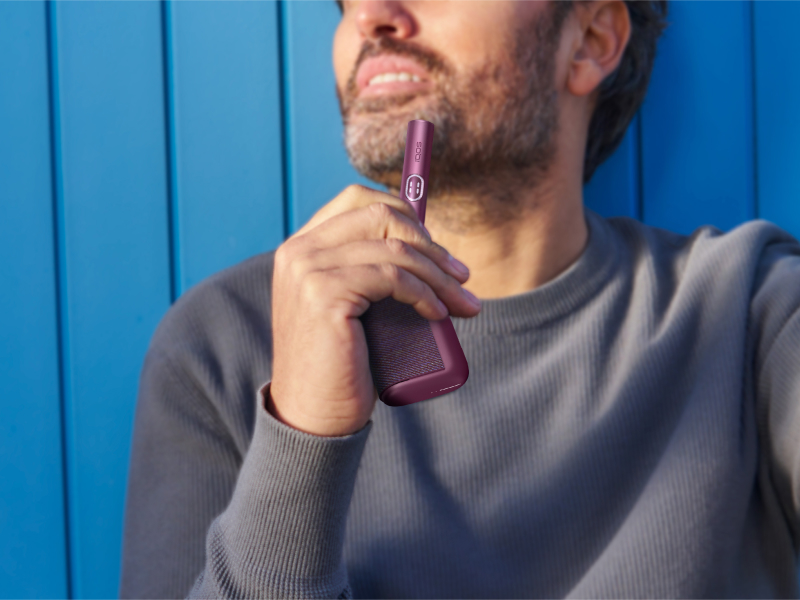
494,127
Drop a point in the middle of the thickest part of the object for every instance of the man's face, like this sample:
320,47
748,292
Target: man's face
485,74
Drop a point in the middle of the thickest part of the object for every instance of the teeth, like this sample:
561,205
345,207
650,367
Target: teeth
385,77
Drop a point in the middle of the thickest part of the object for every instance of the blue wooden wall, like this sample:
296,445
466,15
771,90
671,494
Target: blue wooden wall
145,146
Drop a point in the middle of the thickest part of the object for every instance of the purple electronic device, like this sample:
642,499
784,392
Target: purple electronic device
413,359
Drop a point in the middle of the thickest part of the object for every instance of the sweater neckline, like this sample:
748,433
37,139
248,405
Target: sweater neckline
556,298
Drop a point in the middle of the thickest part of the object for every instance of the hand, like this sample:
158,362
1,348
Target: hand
361,247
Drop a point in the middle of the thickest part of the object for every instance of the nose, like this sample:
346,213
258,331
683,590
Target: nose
376,18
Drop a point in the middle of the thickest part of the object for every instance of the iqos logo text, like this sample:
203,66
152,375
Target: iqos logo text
418,152
415,185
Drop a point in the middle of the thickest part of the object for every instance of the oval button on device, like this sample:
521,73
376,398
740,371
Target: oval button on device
415,185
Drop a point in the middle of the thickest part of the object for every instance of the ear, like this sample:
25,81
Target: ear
605,28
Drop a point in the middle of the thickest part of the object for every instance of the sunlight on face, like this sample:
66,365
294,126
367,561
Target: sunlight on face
486,73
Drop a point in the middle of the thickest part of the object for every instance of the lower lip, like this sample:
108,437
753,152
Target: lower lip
394,87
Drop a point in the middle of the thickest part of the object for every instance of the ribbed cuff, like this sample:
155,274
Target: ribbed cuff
286,520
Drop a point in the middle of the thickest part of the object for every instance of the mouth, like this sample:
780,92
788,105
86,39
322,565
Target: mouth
388,75
387,88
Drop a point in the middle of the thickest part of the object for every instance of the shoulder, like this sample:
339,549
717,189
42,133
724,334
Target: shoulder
741,256
747,278
753,270
219,307
742,243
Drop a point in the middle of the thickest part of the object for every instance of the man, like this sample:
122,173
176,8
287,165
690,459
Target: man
630,426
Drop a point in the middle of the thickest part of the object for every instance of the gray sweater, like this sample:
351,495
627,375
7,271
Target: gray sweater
629,429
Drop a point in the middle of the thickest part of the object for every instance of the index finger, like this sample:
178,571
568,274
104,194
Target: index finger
356,196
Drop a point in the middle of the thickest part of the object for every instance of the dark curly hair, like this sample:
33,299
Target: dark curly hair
623,91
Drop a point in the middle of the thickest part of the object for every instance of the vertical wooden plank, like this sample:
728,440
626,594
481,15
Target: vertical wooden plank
113,211
318,166
226,117
777,116
614,187
697,120
33,560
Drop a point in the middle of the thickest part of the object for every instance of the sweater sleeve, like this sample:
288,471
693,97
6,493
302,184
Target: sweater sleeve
282,534
775,325
182,470
223,499
203,519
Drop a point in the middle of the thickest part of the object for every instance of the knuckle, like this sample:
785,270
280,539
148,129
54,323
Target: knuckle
391,272
292,258
415,238
427,297
300,266
283,255
353,195
421,239
354,188
348,192
398,247
381,211
451,285
313,286
440,250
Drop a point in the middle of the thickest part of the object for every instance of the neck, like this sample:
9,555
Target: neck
520,250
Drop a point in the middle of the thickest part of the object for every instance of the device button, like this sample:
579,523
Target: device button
415,186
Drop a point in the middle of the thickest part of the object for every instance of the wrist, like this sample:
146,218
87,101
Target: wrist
318,427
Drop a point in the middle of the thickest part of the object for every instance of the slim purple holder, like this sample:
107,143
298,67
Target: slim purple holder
413,359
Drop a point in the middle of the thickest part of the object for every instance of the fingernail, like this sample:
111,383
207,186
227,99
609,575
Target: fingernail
458,265
471,297
442,308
